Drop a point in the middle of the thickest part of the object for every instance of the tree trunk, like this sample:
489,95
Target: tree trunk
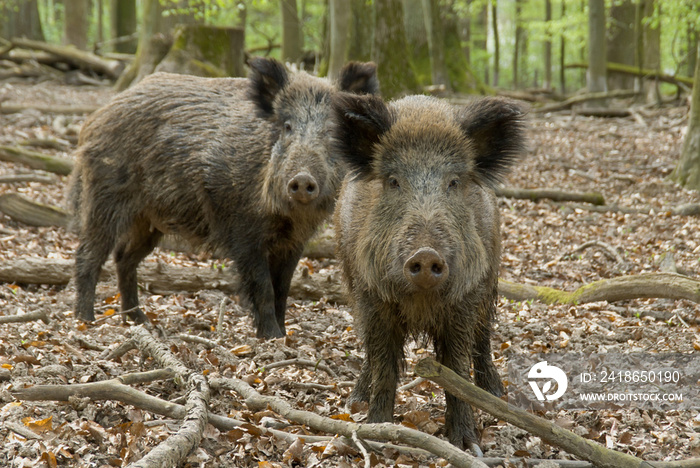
496,43
20,18
76,23
562,55
517,44
339,22
205,51
361,30
123,17
687,172
390,50
547,83
462,77
652,49
621,43
436,44
479,35
417,39
291,31
597,71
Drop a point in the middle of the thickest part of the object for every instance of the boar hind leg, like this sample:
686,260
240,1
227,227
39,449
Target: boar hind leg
132,248
282,270
256,282
485,372
453,352
96,242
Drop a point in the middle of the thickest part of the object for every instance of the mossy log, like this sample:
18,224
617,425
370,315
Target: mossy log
644,285
581,98
31,213
165,279
79,58
205,51
35,160
550,194
636,71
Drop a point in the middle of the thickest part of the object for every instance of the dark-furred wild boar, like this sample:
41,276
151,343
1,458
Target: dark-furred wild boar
418,233
241,166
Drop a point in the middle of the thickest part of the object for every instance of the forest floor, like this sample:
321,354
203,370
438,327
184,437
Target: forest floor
627,160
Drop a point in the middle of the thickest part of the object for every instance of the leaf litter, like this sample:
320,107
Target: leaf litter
621,158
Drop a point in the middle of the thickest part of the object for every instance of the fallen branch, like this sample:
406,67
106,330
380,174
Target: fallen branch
382,431
28,317
26,211
47,109
79,58
606,248
622,288
165,279
636,71
23,178
618,93
174,450
301,362
35,160
548,432
556,195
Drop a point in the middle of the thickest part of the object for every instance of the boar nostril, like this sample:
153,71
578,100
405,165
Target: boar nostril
302,188
426,268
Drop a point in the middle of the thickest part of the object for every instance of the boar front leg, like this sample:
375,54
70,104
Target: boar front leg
257,286
384,340
453,351
282,269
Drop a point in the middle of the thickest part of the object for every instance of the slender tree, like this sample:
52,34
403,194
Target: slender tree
621,43
547,84
361,30
75,30
436,46
339,21
20,18
291,31
496,43
123,16
687,172
562,55
390,51
518,43
652,48
597,62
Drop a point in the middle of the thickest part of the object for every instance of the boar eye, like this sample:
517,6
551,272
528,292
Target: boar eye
393,182
453,183
288,127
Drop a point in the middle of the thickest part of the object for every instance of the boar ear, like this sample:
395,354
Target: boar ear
359,78
359,123
267,77
496,128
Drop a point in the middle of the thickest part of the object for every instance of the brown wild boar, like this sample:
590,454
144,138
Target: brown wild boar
241,166
418,235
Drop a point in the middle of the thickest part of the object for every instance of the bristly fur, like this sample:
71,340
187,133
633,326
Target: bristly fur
360,78
212,160
422,182
360,122
267,77
497,127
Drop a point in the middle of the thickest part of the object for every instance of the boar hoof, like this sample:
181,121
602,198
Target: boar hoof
303,188
426,268
269,331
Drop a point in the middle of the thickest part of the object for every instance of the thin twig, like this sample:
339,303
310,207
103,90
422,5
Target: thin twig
361,446
304,363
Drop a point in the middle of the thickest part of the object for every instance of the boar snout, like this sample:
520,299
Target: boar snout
426,268
303,188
